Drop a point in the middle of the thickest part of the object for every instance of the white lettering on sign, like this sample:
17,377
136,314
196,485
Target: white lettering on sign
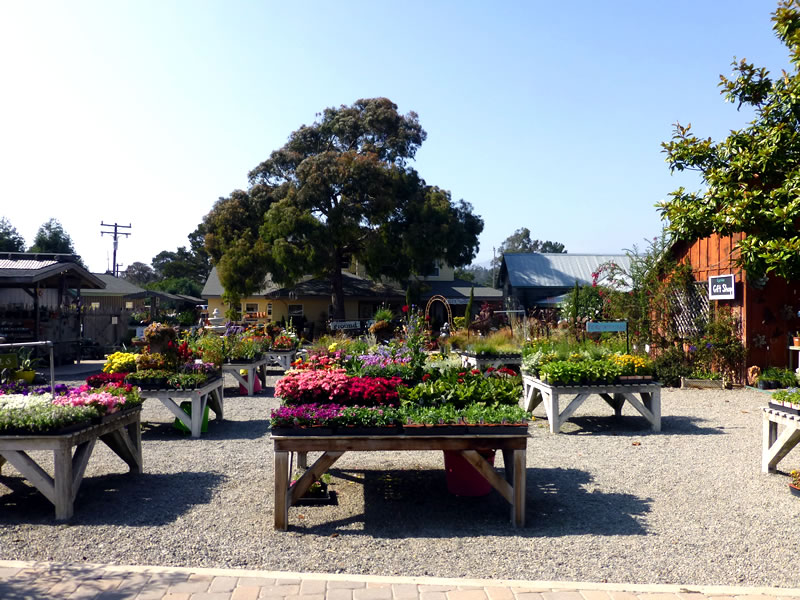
345,325
721,287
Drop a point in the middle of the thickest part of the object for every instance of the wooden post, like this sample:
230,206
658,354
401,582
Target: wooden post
518,505
281,490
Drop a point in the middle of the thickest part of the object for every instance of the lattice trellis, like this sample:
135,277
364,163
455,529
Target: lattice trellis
690,309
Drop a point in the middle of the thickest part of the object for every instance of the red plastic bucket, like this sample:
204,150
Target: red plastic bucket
256,386
462,478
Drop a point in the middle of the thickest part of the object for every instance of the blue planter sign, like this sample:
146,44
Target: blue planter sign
606,326
721,287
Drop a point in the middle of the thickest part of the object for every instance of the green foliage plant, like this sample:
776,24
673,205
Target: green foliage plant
750,177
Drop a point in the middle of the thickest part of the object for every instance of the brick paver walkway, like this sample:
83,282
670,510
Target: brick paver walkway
34,580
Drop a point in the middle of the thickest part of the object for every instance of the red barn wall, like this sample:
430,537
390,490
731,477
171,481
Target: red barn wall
768,314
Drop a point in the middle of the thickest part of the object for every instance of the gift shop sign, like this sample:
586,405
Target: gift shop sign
721,287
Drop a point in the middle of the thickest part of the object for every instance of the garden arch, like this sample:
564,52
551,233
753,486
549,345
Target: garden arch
443,300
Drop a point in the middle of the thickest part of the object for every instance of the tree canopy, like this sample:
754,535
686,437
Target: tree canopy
752,177
340,189
10,239
520,241
139,273
52,238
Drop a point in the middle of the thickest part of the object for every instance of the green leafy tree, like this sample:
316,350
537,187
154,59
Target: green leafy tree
476,274
182,264
520,241
139,273
340,189
176,285
52,238
10,239
751,177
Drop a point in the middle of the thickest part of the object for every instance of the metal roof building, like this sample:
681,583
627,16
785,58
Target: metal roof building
541,279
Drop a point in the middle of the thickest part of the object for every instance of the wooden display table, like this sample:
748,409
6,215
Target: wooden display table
648,402
513,447
121,432
254,369
774,447
210,395
281,358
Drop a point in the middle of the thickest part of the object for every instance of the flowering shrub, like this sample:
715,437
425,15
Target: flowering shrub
146,360
106,400
320,360
102,379
284,342
384,361
120,362
304,415
632,365
336,415
333,385
38,417
15,401
205,368
159,332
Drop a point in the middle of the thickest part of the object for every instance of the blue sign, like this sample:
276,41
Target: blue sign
606,326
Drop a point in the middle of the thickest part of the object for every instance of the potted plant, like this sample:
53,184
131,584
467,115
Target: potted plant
382,327
794,485
26,365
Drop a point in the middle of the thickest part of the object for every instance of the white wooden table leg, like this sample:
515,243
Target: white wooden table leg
655,408
251,384
769,433
63,483
551,408
197,414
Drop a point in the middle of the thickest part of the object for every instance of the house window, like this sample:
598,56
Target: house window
129,306
251,307
269,309
295,310
434,272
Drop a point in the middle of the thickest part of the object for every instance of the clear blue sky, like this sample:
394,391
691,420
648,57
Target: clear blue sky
546,115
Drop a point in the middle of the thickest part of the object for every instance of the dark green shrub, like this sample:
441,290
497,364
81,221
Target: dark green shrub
670,366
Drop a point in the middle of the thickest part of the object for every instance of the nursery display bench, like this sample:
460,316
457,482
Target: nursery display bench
644,397
513,446
281,358
121,432
254,369
774,447
211,395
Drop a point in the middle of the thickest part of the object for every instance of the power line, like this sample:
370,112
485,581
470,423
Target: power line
116,233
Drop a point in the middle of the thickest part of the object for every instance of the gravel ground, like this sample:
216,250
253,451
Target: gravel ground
607,500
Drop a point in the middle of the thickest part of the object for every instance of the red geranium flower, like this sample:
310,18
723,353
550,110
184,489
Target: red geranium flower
405,308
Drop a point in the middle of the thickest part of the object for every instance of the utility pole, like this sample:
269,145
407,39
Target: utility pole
116,233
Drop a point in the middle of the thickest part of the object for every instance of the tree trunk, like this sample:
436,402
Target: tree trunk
337,294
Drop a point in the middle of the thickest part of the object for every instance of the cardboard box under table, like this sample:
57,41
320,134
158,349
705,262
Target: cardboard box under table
121,432
513,446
